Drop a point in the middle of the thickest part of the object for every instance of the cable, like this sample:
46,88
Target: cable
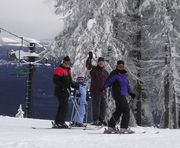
2,29
14,35
44,53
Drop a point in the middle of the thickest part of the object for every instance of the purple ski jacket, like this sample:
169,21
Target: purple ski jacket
124,88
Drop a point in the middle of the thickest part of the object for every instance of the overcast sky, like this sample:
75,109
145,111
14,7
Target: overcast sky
30,18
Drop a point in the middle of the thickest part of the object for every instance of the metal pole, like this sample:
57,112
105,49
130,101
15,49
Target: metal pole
28,109
20,50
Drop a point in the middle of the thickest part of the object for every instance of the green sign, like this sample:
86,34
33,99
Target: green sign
20,71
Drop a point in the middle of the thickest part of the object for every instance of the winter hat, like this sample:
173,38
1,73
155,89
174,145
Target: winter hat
120,62
66,58
81,75
100,59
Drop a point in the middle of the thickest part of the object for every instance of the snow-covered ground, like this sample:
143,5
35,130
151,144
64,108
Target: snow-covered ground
18,133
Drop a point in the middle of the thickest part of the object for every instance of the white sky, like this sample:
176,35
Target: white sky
30,18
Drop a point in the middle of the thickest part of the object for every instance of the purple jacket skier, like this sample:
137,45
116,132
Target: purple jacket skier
120,91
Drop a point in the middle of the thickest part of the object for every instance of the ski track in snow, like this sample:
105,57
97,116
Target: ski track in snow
18,133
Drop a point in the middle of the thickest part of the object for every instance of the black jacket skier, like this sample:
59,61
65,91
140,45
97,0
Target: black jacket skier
63,82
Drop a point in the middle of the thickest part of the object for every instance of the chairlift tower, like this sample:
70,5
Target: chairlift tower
31,59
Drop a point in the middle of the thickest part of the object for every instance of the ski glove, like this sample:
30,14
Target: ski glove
87,96
133,95
78,95
102,89
90,55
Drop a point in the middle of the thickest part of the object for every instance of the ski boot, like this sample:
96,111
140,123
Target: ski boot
126,131
64,126
111,130
77,124
97,123
103,123
73,124
80,124
58,125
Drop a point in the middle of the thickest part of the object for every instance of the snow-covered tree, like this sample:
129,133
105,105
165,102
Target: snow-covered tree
159,33
143,33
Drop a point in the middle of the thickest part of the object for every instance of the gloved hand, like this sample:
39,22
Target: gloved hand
133,95
90,55
87,97
78,95
75,85
101,89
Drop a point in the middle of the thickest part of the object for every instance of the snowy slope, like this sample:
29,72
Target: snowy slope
17,133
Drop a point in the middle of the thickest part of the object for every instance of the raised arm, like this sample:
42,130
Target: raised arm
89,65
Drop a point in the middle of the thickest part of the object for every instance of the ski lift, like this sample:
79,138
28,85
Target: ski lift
31,59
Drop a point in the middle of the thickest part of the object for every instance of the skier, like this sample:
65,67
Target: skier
98,77
121,89
63,82
82,94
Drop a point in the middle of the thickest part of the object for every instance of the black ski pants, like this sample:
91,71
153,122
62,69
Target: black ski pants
122,109
98,107
62,109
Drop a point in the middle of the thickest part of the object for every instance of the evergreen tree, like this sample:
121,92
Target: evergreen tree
143,33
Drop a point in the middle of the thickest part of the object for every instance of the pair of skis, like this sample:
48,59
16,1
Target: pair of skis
121,133
118,131
96,128
85,127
